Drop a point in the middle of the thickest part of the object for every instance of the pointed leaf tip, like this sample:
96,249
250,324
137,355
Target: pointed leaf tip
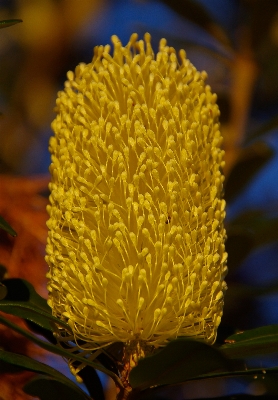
9,22
4,225
253,342
46,388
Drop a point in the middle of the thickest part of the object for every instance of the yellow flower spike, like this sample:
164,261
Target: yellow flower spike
136,237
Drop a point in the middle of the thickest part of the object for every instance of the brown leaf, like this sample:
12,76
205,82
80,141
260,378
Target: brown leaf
22,205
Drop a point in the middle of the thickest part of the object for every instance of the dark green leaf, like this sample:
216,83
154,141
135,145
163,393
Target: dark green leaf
29,364
9,22
180,360
18,309
3,291
56,349
252,159
246,373
4,224
197,13
7,368
263,340
92,382
253,376
46,388
108,361
18,290
22,290
23,301
46,333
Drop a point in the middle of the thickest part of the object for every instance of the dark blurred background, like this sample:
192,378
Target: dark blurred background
235,41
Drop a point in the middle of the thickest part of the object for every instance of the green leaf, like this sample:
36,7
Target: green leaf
4,224
31,314
46,388
240,373
23,301
92,382
263,340
9,22
29,364
57,349
252,159
180,360
267,378
22,290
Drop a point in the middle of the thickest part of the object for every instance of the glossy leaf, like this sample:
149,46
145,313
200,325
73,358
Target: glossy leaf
252,159
9,22
244,373
46,388
4,224
180,360
30,313
23,301
56,349
29,364
263,340
268,377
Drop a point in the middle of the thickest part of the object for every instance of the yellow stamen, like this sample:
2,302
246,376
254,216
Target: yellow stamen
136,237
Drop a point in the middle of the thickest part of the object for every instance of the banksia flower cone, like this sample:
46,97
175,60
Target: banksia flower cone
136,238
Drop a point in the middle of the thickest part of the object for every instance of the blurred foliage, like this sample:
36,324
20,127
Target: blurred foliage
9,22
247,53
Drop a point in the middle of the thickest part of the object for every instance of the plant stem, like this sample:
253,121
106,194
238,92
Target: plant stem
127,394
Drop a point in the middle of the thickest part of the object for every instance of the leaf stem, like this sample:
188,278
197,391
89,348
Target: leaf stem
127,393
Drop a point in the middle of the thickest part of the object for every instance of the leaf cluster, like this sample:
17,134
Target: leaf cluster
178,363
181,361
